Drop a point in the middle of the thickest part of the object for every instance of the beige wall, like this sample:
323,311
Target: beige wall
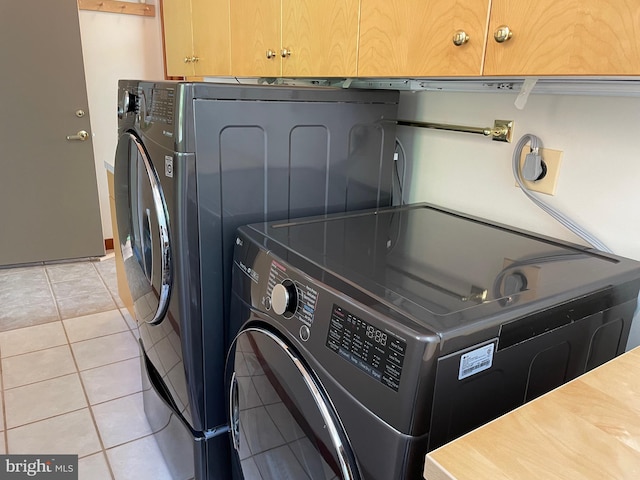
115,46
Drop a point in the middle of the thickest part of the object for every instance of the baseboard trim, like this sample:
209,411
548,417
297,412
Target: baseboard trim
108,244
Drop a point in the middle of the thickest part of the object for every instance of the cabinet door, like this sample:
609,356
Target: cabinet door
178,42
415,37
255,30
322,37
568,37
210,24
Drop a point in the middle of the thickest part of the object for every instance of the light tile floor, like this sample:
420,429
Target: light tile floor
70,369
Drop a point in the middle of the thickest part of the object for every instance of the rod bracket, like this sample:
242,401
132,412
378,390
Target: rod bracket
502,131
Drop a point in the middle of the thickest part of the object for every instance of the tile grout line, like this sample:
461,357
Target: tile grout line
107,287
53,295
49,418
86,397
79,372
100,279
63,344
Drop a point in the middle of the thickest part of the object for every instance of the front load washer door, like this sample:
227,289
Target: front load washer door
283,424
143,228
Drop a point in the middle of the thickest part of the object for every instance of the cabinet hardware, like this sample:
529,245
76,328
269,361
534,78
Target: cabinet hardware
460,38
502,34
285,52
271,54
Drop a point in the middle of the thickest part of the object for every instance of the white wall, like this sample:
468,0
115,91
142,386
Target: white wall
115,46
599,176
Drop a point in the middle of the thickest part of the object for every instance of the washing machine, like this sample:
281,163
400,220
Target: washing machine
194,161
366,340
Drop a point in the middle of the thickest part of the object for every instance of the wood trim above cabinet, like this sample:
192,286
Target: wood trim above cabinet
115,6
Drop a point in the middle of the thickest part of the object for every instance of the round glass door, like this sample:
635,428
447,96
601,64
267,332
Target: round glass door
283,426
143,230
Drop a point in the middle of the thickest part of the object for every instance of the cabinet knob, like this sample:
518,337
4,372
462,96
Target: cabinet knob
460,38
187,60
285,52
271,54
502,34
195,59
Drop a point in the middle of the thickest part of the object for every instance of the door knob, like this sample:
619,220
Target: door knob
460,38
81,136
502,34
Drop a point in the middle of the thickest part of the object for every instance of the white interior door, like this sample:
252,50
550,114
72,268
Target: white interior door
48,191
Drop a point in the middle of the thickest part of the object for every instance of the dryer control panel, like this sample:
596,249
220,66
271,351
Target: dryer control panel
376,351
290,297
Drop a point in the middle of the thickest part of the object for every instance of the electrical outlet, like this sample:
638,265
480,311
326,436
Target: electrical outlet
552,159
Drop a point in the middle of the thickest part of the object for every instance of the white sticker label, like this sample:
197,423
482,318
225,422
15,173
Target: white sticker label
476,361
168,166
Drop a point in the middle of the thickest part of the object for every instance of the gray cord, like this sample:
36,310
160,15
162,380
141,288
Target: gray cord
404,170
536,143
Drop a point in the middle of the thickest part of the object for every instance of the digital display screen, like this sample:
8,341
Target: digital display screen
378,353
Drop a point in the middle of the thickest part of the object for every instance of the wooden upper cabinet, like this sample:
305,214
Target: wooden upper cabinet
196,34
322,37
178,41
294,38
567,37
404,38
211,49
255,38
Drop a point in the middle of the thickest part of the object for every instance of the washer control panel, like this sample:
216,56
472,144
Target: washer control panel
378,353
162,105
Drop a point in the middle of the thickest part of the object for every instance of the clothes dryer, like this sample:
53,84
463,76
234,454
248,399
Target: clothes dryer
366,340
194,162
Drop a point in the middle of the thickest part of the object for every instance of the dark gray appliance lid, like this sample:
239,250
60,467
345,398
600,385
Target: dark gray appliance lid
446,269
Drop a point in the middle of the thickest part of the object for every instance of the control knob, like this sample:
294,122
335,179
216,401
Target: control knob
129,103
284,299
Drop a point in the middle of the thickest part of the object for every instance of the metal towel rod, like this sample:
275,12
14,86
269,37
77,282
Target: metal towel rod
502,130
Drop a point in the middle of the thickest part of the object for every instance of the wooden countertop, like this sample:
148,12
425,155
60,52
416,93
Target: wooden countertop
588,428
